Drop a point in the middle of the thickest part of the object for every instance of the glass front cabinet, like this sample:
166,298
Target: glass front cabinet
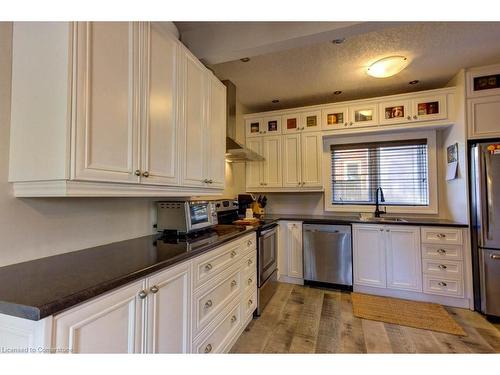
363,115
291,123
262,127
394,112
428,108
334,117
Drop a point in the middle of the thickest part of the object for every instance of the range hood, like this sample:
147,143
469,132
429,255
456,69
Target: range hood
235,152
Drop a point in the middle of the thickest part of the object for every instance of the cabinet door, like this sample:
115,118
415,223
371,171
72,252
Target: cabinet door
363,115
483,116
292,161
311,121
394,112
169,310
109,324
294,249
216,134
290,123
195,122
429,108
272,170
369,255
312,151
254,127
335,117
254,169
159,130
107,93
404,269
272,125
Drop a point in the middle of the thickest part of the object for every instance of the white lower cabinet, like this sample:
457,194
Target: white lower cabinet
369,255
167,312
290,252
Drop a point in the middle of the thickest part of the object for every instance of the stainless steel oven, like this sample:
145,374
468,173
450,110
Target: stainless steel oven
267,265
187,216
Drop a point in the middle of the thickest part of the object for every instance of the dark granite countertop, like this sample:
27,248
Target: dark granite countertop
46,286
332,219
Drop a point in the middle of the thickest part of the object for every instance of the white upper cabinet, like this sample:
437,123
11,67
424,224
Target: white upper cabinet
160,130
311,158
292,161
106,115
130,112
393,112
310,121
254,169
254,127
334,117
429,108
216,134
272,172
362,115
195,123
483,114
291,123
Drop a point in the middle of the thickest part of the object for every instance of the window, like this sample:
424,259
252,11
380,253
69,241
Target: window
400,168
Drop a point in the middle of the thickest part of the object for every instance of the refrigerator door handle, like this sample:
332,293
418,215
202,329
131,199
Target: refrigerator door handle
478,191
489,195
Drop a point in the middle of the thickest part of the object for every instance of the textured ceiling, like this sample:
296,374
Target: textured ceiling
309,75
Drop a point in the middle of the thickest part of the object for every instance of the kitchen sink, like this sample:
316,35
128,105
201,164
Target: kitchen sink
384,219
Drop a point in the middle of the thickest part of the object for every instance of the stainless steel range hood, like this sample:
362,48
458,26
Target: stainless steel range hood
235,152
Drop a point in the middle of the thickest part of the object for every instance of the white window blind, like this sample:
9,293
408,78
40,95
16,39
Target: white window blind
400,168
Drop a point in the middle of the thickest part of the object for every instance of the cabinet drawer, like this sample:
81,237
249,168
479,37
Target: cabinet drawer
443,268
249,304
441,235
218,336
206,267
443,286
451,252
210,301
249,243
249,263
249,282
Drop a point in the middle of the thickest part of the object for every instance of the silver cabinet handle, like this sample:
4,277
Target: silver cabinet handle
233,319
137,172
250,281
381,229
250,302
249,262
387,230
442,283
154,289
208,267
441,251
210,181
345,124
143,294
495,257
233,254
249,243
208,304
145,174
233,283
441,235
409,117
442,267
205,181
208,348
298,183
350,124
415,117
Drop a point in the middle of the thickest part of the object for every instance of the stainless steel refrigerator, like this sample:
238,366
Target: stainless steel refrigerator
485,210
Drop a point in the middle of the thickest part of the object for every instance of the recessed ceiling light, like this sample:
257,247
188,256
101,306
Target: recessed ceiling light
245,59
338,41
387,67
414,82
276,101
338,92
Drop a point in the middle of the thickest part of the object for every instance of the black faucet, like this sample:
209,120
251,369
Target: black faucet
378,211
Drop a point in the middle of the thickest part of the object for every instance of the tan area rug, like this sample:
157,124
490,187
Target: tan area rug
423,315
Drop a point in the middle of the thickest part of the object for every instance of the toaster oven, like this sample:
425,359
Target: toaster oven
186,216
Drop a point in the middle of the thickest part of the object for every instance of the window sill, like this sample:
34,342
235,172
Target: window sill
390,209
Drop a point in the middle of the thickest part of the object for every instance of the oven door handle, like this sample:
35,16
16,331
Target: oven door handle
268,232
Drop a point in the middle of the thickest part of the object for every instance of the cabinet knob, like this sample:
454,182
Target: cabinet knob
441,251
387,230
415,117
249,243
441,235
350,124
233,319
250,302
210,181
208,348
145,174
442,267
153,289
381,229
409,117
142,294
208,304
345,124
208,267
250,281
249,262
137,172
442,283
233,254
233,283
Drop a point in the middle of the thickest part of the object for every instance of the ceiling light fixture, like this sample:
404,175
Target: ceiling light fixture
414,82
338,92
245,59
387,67
338,41
275,101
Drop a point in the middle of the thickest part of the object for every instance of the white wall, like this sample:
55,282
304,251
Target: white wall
34,228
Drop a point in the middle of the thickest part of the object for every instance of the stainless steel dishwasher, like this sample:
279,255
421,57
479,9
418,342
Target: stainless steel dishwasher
328,254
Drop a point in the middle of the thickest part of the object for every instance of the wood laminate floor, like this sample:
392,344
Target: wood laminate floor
301,319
